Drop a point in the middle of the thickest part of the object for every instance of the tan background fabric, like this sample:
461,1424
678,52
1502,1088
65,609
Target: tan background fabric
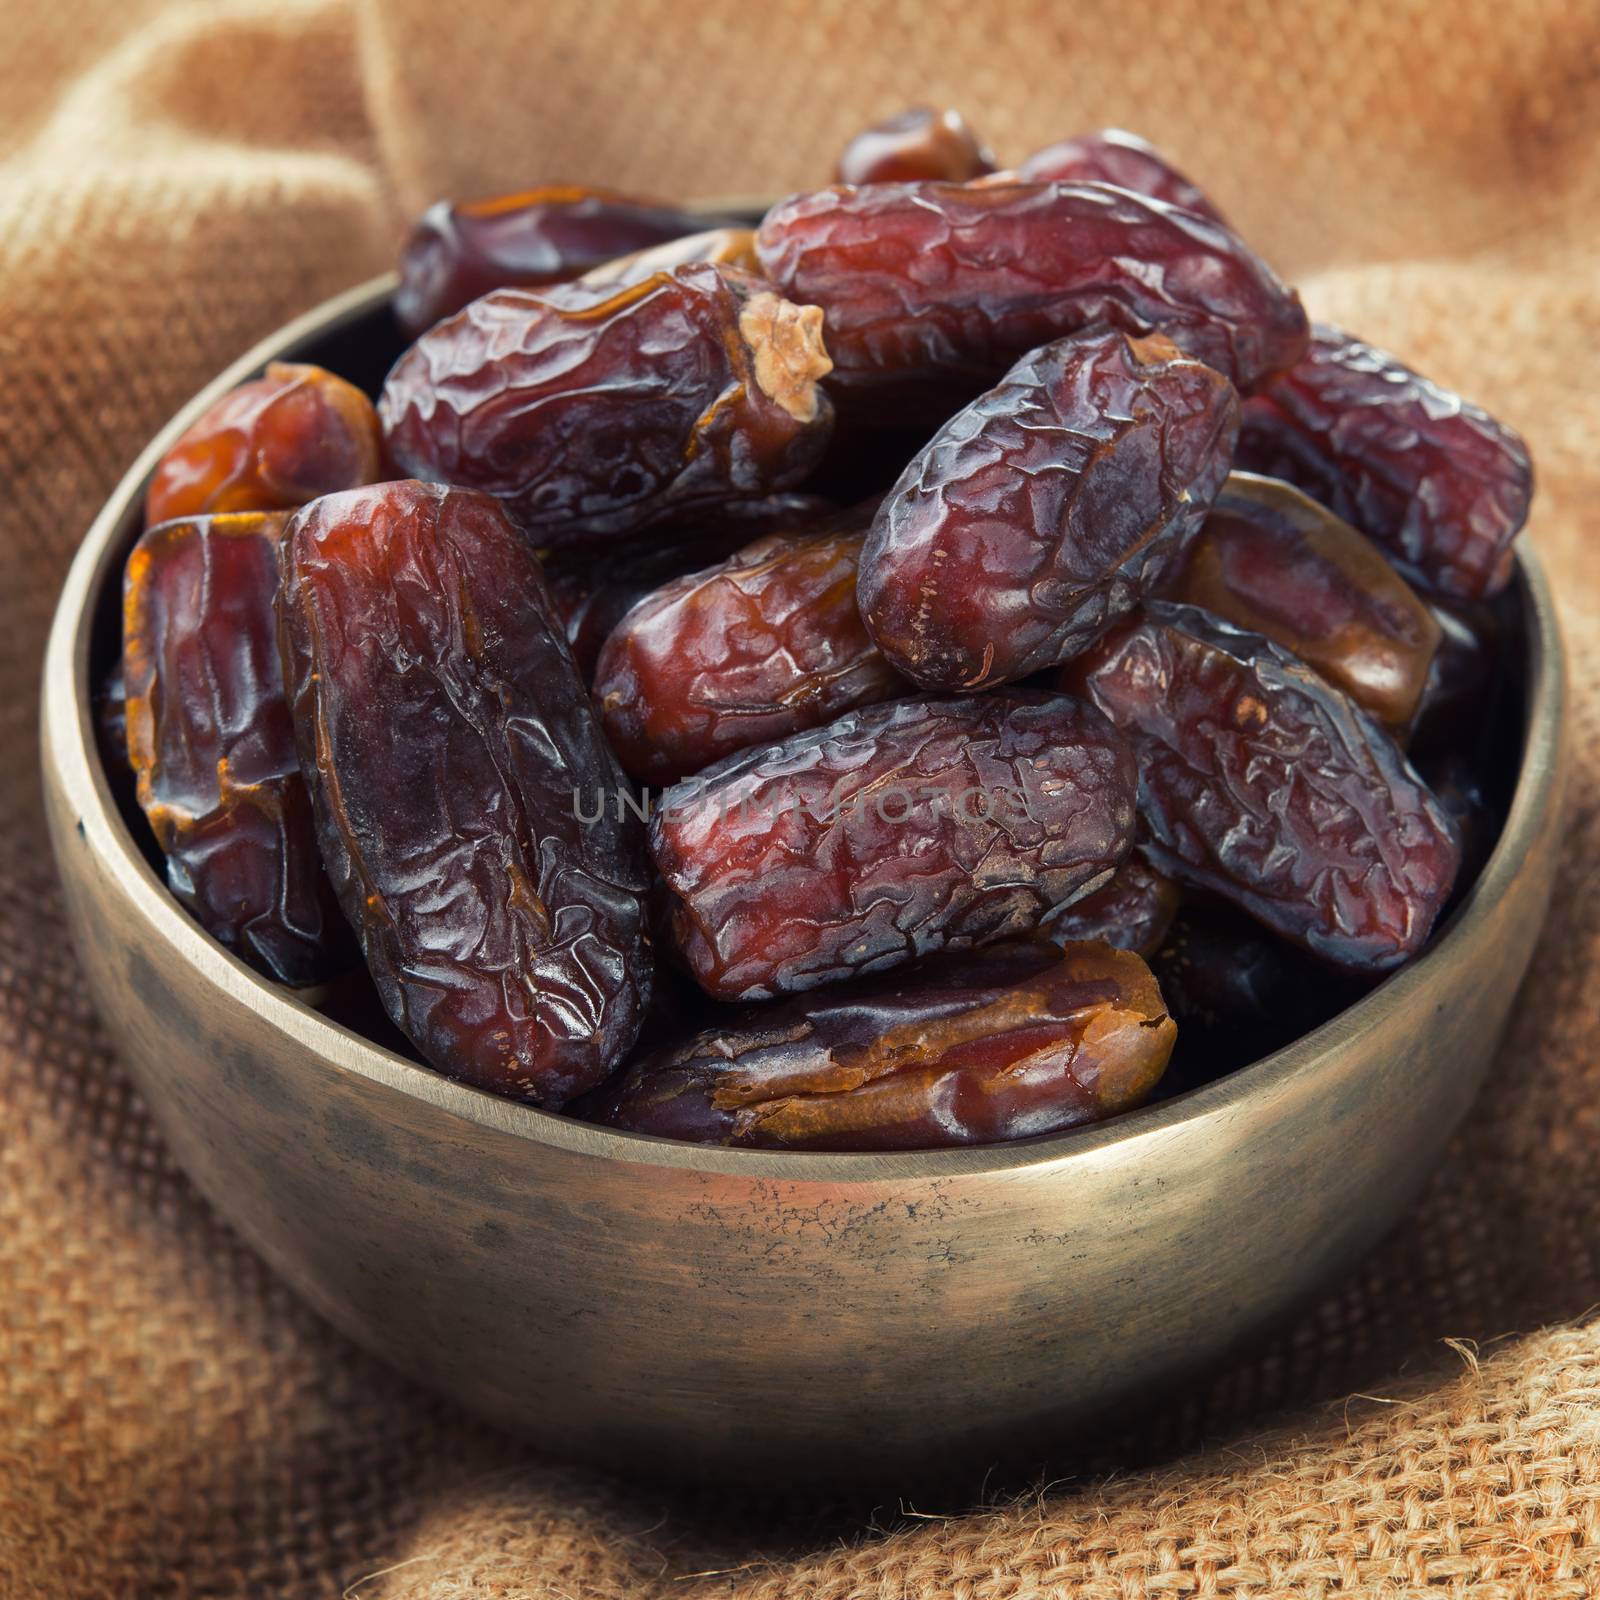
177,179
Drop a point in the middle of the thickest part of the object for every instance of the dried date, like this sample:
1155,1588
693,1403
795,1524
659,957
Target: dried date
897,831
1440,484
593,595
1045,509
749,651
1133,912
269,445
1261,783
461,250
212,749
1274,561
917,144
444,730
931,287
923,1065
591,412
1118,157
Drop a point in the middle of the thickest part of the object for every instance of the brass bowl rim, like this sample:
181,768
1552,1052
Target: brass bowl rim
69,750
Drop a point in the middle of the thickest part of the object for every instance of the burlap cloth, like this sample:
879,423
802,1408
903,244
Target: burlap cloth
177,180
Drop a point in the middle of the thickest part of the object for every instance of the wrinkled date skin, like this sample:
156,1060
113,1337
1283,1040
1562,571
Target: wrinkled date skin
1263,784
1045,509
272,444
1116,156
920,1066
444,730
921,143
1441,485
897,831
944,286
458,251
723,247
592,413
593,595
747,652
212,748
1133,912
1272,560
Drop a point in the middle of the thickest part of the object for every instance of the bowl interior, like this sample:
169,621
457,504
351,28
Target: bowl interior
356,336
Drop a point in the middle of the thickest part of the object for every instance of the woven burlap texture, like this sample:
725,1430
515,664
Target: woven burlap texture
177,180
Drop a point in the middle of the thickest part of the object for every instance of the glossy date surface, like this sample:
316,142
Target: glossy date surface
1435,480
931,287
1272,560
444,729
1134,911
593,594
460,250
1261,783
917,144
1045,509
1113,155
760,646
270,445
933,1061
895,832
592,412
212,748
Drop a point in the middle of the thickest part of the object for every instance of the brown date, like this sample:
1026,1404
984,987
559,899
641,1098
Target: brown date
1045,509
1441,485
444,731
461,250
591,412
1118,157
1274,561
722,247
897,831
270,445
1263,784
1133,912
765,644
593,594
916,144
212,749
923,1065
931,287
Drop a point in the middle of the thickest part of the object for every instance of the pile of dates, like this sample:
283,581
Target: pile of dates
860,681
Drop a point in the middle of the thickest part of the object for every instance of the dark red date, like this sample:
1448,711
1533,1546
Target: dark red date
1045,509
1115,156
897,831
272,444
943,286
592,595
212,749
1133,912
444,730
919,143
923,1065
593,413
459,251
752,650
1441,485
1272,560
1261,783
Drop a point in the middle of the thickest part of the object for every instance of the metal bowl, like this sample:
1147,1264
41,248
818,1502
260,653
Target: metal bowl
821,1318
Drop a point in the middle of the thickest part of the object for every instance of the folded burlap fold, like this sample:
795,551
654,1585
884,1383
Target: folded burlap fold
175,180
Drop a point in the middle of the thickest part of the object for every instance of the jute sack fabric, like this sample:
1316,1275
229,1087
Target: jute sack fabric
175,181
